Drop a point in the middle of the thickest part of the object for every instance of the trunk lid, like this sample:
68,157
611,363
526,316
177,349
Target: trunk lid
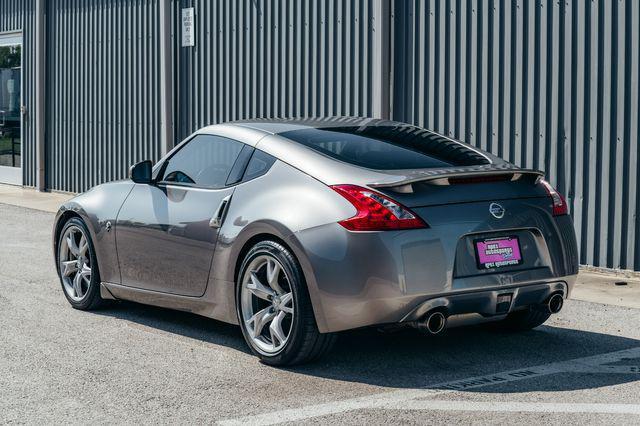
460,185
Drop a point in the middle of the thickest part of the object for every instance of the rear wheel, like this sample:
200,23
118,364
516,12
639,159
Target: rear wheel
78,267
526,319
274,308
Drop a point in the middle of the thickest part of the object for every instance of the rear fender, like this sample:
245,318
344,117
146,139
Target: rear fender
278,204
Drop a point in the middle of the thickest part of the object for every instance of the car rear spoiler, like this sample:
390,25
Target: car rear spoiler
452,176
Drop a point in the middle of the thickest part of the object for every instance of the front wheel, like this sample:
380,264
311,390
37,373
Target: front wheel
274,308
77,266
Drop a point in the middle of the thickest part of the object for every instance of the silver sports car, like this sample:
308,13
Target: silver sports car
298,229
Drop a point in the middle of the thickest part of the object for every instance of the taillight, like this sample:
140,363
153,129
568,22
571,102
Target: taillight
376,212
559,203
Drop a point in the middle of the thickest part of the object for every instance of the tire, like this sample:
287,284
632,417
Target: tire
257,304
524,320
88,297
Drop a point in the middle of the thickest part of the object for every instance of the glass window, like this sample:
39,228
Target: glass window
240,165
205,160
387,147
259,165
10,116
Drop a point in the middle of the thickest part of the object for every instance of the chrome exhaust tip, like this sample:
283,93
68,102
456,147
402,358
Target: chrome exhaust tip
554,303
433,323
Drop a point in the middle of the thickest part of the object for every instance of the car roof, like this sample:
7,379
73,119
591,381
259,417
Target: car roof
266,134
371,127
280,125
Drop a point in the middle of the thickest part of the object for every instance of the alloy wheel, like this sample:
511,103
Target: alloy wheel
75,263
267,304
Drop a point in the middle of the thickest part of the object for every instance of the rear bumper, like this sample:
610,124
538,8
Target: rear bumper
389,303
485,302
366,279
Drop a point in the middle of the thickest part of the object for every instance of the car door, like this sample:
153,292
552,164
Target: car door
166,232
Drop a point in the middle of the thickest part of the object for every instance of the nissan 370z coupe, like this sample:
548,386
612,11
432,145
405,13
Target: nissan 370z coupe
298,229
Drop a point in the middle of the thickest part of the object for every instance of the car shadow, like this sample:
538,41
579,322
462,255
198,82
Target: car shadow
409,359
177,322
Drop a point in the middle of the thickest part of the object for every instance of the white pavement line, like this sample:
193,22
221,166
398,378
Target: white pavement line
523,407
384,399
608,369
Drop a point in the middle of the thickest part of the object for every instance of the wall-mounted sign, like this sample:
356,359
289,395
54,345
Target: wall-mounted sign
188,33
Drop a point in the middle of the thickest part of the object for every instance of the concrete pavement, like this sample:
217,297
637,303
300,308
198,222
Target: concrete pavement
32,199
130,363
609,288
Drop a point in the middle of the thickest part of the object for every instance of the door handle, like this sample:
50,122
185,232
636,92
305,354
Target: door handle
221,212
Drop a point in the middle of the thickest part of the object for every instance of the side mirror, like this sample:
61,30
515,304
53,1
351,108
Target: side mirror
141,172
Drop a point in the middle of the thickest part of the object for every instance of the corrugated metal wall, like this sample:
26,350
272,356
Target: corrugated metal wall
549,85
545,84
273,58
17,15
103,104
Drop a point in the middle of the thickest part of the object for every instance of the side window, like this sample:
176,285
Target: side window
259,164
205,160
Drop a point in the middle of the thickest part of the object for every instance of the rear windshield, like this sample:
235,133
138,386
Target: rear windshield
386,148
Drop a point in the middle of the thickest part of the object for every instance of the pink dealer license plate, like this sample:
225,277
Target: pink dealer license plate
498,252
